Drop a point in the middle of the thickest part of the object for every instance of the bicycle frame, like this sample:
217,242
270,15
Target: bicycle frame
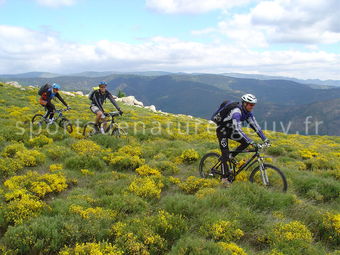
250,162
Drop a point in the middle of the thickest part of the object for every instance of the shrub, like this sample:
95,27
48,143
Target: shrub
146,187
86,147
20,209
331,223
56,151
85,162
124,162
39,141
192,184
30,157
86,172
294,230
96,212
222,230
189,156
12,149
232,248
167,167
146,170
92,248
55,167
9,166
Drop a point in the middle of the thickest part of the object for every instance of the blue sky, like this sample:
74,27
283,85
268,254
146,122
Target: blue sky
297,38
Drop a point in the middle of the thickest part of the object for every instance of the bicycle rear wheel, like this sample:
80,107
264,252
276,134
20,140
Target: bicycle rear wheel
276,180
38,120
90,129
207,166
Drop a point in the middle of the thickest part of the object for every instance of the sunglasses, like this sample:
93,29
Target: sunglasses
101,87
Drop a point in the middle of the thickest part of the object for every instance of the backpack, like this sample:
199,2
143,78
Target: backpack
44,88
222,111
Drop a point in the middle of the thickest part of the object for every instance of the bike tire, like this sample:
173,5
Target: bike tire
90,129
38,120
118,132
277,179
206,164
65,124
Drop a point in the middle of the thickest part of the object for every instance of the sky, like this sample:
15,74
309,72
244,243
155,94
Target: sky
293,38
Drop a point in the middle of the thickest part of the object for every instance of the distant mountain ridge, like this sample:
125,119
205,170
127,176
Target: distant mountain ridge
281,101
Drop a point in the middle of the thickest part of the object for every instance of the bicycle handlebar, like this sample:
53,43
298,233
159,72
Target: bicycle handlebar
112,114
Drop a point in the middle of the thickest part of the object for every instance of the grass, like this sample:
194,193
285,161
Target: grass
176,222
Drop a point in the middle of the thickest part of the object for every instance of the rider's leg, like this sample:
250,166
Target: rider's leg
223,142
50,110
243,145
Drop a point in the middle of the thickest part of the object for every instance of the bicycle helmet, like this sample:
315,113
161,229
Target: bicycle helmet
56,86
249,98
102,83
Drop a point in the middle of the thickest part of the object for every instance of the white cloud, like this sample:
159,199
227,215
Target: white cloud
2,2
56,3
193,6
283,21
30,50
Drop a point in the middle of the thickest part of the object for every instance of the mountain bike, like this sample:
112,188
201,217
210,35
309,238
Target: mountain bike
112,128
40,120
264,174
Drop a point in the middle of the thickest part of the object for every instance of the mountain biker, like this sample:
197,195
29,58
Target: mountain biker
231,128
47,96
97,98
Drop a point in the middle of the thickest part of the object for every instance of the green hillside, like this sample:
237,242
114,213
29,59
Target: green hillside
141,194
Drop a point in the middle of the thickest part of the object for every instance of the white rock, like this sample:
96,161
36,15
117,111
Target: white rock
14,84
68,93
80,93
151,107
139,103
22,89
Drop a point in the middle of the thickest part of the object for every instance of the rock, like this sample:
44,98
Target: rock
151,107
68,93
80,93
130,100
22,89
14,84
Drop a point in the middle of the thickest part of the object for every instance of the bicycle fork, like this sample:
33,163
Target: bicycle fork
263,172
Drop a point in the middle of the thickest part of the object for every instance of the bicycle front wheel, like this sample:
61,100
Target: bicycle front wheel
38,120
210,166
271,177
118,132
90,129
65,124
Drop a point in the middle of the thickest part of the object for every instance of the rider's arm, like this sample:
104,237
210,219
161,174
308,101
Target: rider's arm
113,101
256,127
237,124
61,99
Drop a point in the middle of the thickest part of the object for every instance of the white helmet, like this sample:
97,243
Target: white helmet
249,98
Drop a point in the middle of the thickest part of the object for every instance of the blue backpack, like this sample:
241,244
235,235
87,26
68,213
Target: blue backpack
222,111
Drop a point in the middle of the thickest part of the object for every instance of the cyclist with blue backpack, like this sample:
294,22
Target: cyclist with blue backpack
47,93
229,118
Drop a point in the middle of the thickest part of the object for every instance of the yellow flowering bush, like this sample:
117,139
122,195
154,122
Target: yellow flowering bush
174,180
146,187
146,170
86,147
192,184
9,166
332,224
124,162
294,230
307,154
55,167
96,212
12,149
39,141
20,209
189,156
86,172
226,231
130,150
232,248
30,157
92,249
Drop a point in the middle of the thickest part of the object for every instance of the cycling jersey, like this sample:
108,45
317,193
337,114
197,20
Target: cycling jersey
232,123
49,95
99,98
